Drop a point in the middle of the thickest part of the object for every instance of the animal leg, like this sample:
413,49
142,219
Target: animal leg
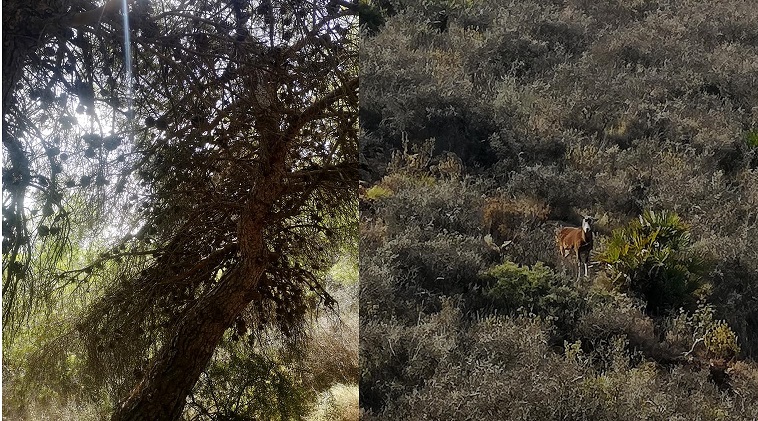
587,264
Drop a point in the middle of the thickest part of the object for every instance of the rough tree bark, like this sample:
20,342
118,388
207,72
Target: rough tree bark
162,393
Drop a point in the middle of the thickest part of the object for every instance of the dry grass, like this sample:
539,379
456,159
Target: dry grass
339,403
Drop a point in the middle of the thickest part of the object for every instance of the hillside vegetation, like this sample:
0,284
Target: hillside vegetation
486,127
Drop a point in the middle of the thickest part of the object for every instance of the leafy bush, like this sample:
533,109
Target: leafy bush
440,263
446,206
403,357
517,286
517,226
721,341
503,368
378,192
652,257
255,386
616,315
751,138
561,189
538,290
502,217
735,292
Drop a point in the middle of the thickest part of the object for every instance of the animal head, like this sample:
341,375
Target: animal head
587,224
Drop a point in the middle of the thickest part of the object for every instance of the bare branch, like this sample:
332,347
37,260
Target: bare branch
317,107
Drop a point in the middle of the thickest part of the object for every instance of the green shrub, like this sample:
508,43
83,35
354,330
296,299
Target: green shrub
652,257
537,290
613,314
378,192
751,138
248,385
721,341
404,357
518,286
437,263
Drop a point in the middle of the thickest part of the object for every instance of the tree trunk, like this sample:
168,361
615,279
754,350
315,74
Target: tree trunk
173,372
162,393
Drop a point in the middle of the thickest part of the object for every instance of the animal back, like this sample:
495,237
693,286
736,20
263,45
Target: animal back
570,238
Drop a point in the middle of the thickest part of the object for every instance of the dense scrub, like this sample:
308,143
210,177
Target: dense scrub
640,114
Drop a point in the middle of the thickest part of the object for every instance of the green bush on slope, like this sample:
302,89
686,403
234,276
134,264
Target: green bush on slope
652,257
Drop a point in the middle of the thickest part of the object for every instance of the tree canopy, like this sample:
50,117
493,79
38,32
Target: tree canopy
181,168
